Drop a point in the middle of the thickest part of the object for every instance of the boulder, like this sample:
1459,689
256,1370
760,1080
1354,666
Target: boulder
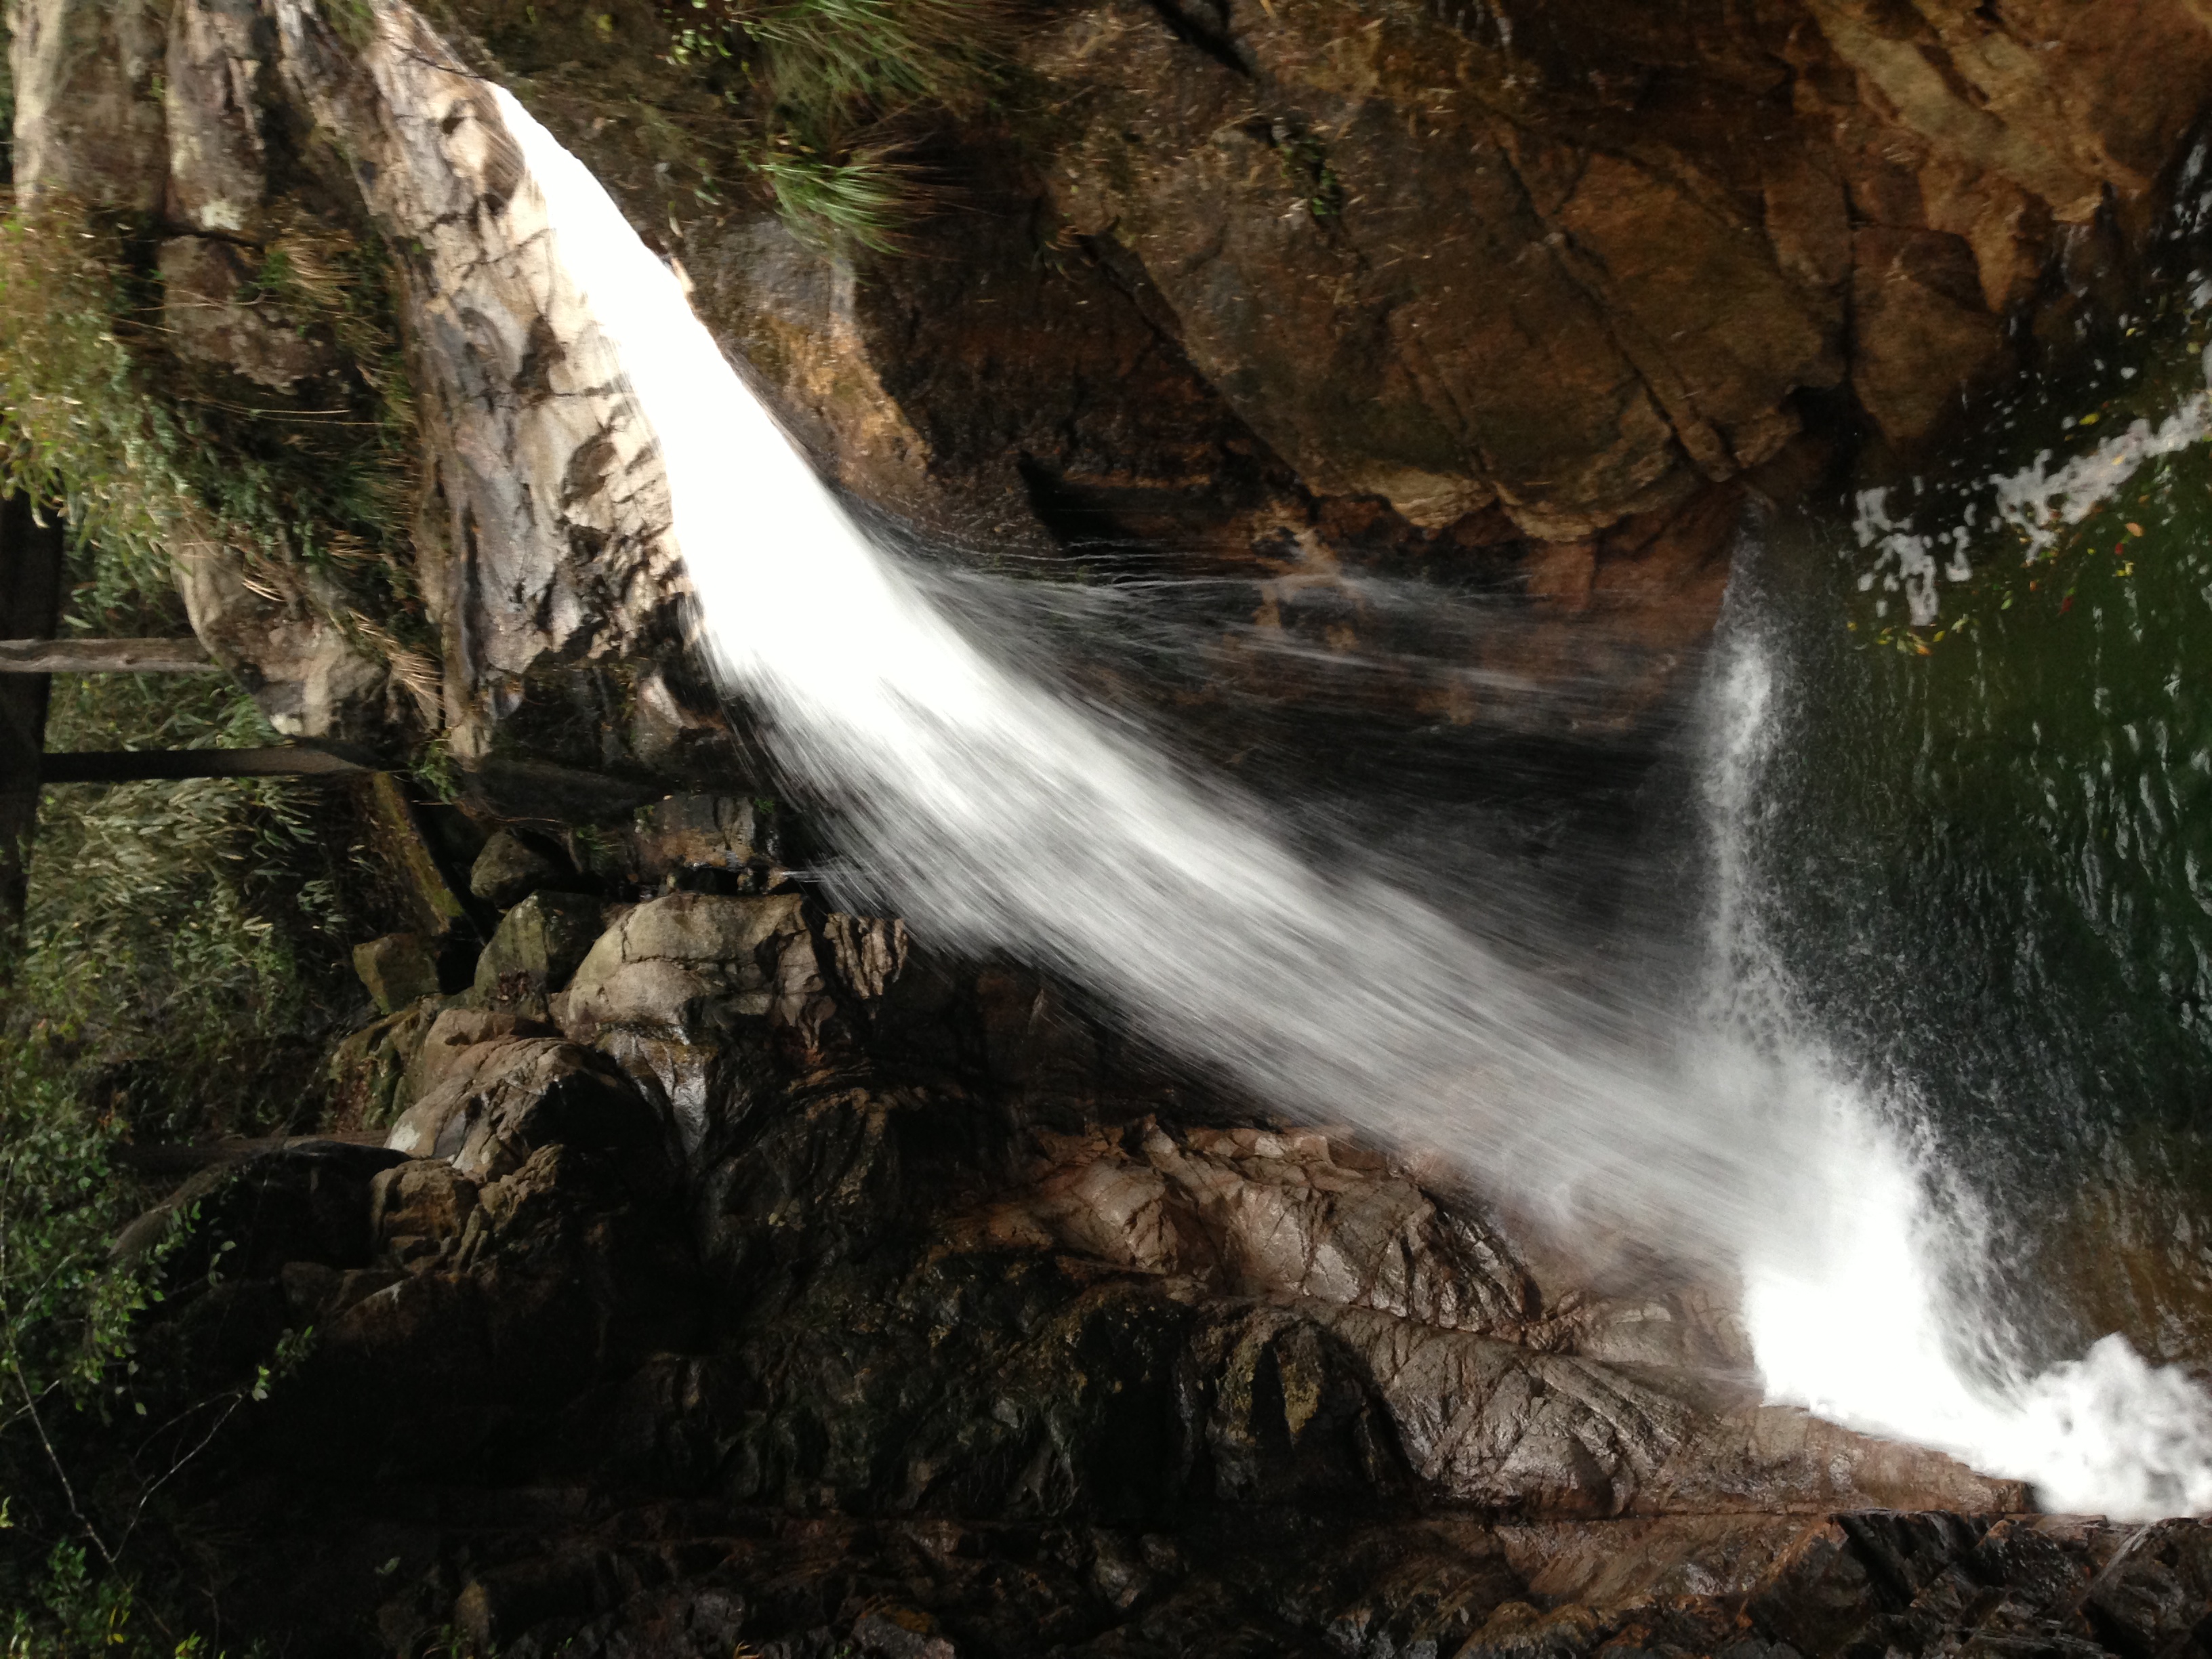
416,1210
685,836
692,963
397,969
203,283
537,946
512,866
496,1102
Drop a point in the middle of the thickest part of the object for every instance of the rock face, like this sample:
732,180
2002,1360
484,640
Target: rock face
1523,291
859,1324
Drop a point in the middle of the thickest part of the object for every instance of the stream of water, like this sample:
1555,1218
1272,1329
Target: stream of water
1760,1132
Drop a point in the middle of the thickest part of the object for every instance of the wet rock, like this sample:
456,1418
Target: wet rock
546,544
1261,1212
687,836
511,868
538,947
397,970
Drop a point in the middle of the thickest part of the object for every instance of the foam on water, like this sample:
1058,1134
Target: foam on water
2038,503
995,813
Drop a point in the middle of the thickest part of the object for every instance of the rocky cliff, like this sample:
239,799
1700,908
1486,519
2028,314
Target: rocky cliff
1526,295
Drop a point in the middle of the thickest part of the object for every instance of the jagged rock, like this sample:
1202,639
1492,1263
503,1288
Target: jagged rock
510,869
1256,1212
538,947
397,969
417,1210
496,1102
535,454
692,963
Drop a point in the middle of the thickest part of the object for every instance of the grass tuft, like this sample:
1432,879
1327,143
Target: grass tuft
826,81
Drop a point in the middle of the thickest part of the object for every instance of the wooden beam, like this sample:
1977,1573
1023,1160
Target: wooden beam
81,656
30,604
138,765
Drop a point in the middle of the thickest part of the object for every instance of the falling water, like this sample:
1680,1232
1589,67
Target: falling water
997,812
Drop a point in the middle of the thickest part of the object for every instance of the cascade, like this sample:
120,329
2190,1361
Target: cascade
997,812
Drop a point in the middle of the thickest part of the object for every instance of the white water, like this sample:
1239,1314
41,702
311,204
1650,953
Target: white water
2038,504
1859,1329
997,814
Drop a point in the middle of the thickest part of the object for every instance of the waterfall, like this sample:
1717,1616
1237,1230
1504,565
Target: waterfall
998,813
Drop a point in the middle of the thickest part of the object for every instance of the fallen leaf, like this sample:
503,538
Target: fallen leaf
2134,530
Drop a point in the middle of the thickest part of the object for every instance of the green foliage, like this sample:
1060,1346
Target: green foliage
829,84
65,1313
83,1612
194,933
150,456
863,200
81,1461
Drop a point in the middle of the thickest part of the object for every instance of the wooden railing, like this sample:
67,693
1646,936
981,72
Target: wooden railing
32,548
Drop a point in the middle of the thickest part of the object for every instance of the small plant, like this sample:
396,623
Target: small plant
828,83
864,200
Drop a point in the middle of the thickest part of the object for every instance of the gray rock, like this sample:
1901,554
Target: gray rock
397,969
201,280
87,114
692,962
538,945
500,1101
219,52
510,869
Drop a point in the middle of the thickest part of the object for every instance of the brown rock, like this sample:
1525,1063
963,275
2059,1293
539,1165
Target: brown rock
202,282
417,1210
1924,341
495,1102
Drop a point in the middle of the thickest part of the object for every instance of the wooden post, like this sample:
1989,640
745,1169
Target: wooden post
138,765
82,656
30,606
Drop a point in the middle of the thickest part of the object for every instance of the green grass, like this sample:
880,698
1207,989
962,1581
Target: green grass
832,87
